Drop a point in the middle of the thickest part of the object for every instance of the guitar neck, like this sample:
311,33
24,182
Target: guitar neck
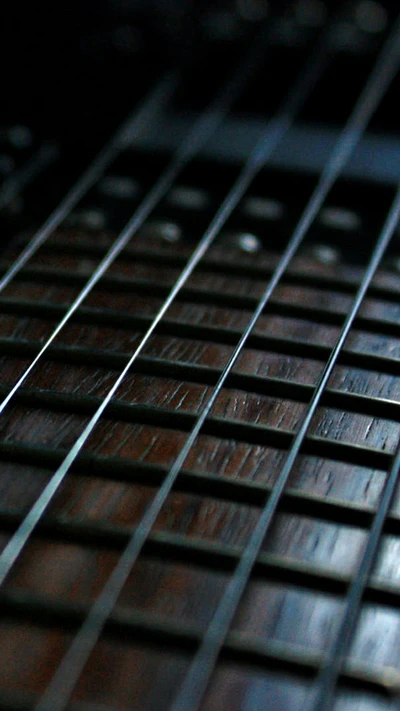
199,416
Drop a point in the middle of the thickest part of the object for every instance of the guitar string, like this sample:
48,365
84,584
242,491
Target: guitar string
197,136
277,127
136,121
336,657
58,692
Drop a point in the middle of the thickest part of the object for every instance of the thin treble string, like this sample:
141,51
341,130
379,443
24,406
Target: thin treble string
58,692
135,123
335,659
201,130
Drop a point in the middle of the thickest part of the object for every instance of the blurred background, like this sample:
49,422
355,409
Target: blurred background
72,72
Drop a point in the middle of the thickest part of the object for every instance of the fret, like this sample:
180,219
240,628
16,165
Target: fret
281,359
226,290
238,649
364,437
290,298
145,389
92,382
184,636
296,306
196,362
178,340
140,622
347,510
138,263
202,554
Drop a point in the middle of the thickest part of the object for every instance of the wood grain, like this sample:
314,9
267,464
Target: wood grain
107,490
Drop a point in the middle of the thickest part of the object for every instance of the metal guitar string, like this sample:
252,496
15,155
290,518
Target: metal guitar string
58,692
273,133
335,659
197,136
277,128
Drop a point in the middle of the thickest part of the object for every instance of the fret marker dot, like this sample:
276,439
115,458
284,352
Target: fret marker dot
339,218
20,137
262,208
126,39
188,198
15,206
325,254
395,264
121,187
161,229
253,10
89,219
371,17
221,24
310,13
249,243
7,164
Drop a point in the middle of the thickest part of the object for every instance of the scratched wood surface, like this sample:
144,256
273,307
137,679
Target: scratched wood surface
139,437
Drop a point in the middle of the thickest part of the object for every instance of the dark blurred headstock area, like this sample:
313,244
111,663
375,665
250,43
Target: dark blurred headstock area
72,72
77,65
74,69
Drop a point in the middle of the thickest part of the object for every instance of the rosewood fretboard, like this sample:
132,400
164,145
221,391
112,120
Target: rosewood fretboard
217,525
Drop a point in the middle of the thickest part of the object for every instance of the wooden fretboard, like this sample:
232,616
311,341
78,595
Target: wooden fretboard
199,395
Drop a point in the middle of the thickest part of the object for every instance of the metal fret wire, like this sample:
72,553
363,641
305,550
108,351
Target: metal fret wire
60,688
56,696
138,120
197,136
334,660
